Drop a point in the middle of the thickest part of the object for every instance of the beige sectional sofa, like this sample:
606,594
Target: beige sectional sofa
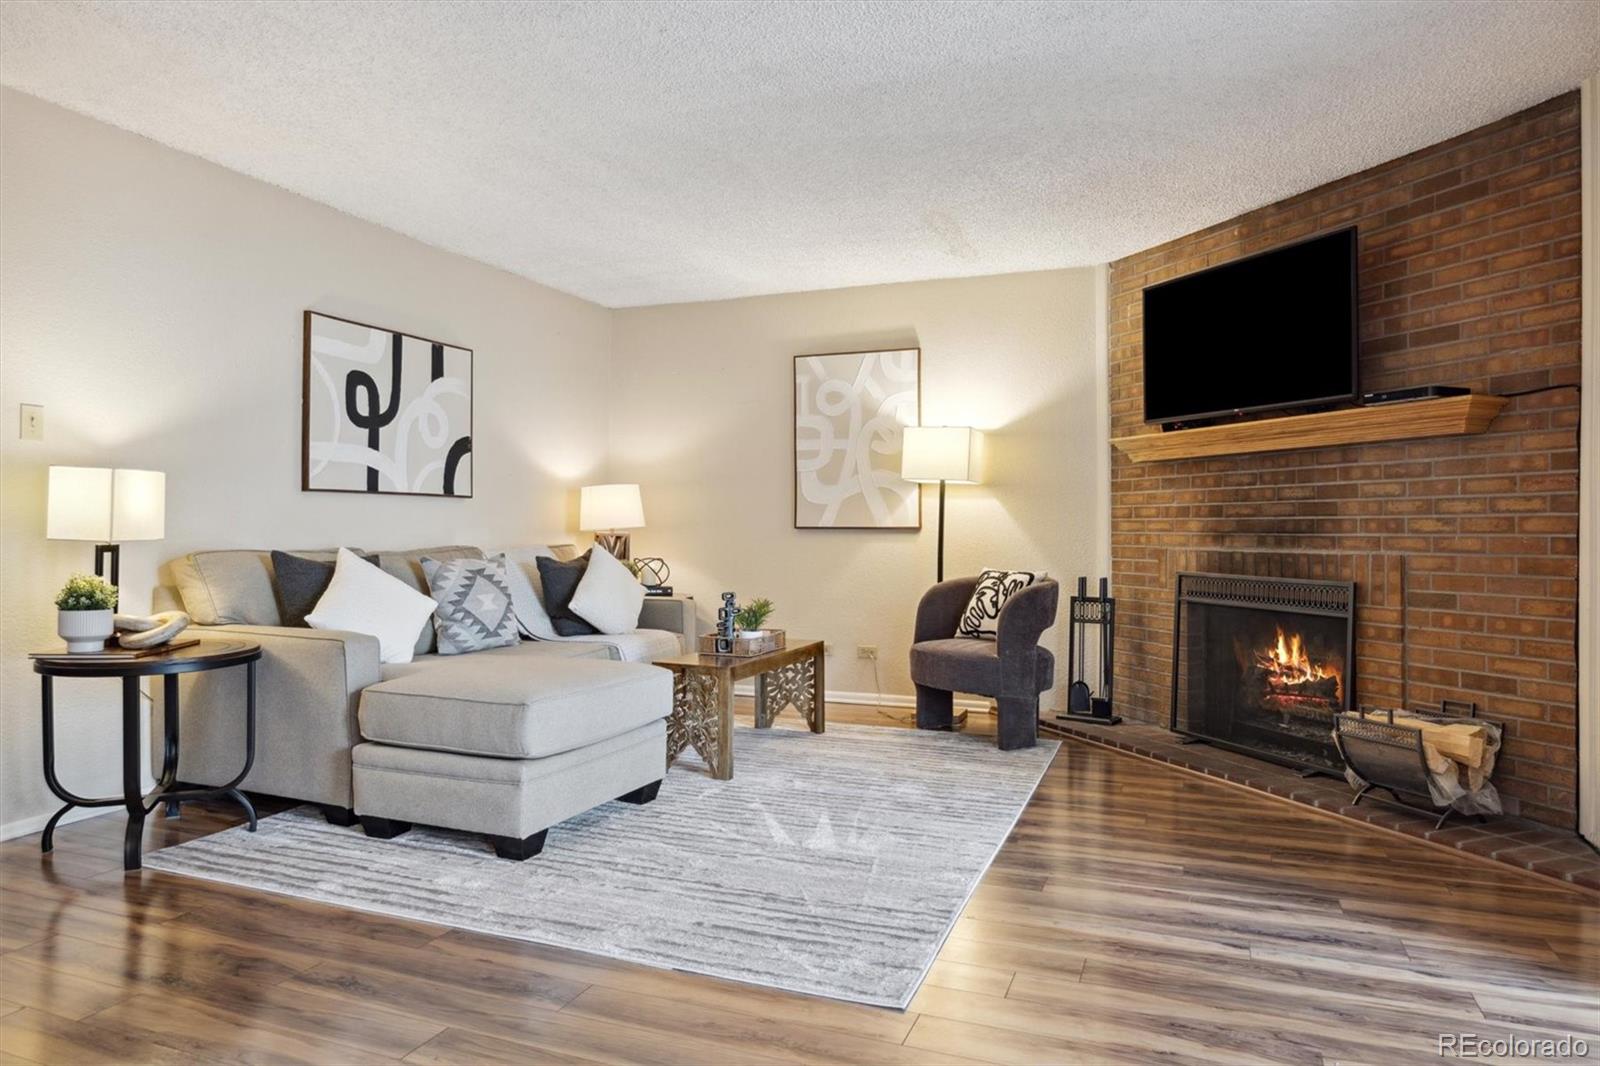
505,742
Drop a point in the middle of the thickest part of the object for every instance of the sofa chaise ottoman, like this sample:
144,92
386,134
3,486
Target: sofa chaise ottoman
484,745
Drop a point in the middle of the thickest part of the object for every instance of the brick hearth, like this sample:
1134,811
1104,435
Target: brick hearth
1464,548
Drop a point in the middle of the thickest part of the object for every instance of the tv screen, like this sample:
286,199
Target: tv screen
1275,330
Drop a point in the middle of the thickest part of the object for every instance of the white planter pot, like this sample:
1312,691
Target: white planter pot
85,631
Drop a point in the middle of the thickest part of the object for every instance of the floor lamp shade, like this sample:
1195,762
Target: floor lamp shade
941,453
946,454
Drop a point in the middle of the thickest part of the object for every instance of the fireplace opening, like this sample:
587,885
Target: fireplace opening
1262,665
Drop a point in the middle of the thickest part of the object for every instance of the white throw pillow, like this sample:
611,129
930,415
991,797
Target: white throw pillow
527,592
361,598
981,619
609,597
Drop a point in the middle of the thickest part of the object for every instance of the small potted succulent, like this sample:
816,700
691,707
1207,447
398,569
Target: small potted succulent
86,619
753,615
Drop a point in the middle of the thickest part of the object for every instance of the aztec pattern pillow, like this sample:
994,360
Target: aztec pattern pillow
474,609
981,619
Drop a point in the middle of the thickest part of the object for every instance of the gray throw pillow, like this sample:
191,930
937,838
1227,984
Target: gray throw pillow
474,611
560,580
299,583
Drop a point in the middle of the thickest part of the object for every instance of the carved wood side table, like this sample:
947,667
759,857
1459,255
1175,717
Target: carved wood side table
702,697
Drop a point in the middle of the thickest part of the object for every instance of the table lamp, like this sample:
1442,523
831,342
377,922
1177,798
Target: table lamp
106,506
946,454
605,510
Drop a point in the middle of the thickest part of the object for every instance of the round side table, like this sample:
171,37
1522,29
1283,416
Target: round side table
209,654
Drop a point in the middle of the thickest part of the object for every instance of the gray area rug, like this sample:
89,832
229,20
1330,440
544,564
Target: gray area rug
831,864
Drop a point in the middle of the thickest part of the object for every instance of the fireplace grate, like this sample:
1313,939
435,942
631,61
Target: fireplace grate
1261,665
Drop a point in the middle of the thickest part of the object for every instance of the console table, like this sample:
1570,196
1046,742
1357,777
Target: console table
702,697
207,655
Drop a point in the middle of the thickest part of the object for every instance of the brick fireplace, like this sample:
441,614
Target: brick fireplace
1463,550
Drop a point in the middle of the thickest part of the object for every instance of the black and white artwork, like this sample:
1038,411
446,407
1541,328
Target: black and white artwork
850,414
384,411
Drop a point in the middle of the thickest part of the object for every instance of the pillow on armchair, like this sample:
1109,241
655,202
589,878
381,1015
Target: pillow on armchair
981,619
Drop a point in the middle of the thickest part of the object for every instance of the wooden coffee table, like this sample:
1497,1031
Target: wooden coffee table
702,697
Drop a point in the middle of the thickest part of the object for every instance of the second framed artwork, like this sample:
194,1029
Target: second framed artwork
850,414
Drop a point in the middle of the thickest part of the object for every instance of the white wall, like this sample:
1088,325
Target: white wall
152,303
702,419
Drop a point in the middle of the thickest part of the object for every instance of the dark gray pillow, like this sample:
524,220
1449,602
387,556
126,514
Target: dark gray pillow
560,581
298,583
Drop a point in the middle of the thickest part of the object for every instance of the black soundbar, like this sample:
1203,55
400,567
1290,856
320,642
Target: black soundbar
1418,392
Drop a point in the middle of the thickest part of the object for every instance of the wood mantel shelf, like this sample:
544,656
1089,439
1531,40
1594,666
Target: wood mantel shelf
1448,416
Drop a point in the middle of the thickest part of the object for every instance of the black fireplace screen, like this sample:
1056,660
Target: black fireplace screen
1262,665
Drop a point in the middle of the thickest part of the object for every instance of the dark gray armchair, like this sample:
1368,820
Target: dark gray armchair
1012,669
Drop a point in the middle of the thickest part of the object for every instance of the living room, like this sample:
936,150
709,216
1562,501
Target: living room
892,322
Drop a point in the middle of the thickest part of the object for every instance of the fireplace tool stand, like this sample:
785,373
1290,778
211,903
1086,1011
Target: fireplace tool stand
1085,704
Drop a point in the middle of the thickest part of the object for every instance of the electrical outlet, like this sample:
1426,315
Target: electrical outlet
866,651
32,423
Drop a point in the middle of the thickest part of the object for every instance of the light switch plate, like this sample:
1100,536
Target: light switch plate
32,427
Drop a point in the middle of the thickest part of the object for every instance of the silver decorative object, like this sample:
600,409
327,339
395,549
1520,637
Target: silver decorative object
726,624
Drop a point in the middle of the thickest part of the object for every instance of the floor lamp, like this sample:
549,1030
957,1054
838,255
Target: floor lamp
946,454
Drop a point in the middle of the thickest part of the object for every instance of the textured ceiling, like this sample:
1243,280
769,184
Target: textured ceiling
640,153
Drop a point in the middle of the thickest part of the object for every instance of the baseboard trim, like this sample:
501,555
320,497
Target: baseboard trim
872,699
25,826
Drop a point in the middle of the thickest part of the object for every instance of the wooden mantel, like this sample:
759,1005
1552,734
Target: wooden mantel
1447,416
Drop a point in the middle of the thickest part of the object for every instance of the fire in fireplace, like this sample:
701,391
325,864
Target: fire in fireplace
1262,665
1285,678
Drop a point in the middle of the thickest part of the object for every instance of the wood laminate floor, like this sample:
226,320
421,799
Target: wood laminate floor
1136,913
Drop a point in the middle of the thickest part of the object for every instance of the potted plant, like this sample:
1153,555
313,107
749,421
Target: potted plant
753,615
86,605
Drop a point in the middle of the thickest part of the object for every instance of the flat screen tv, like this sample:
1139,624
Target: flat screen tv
1275,330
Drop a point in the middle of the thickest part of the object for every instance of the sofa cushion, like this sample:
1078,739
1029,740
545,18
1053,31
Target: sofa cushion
527,596
474,611
535,651
640,646
231,587
510,707
407,566
362,598
609,597
960,664
558,581
299,583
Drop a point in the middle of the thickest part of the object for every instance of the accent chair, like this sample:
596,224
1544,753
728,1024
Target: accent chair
1012,669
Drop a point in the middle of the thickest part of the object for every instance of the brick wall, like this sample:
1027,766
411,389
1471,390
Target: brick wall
1465,547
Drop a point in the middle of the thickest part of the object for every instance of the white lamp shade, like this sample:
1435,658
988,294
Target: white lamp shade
942,453
604,507
138,505
103,505
80,503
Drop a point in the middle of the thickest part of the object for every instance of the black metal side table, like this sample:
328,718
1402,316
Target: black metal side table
207,655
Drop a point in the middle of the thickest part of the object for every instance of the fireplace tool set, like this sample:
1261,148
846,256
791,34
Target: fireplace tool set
1086,704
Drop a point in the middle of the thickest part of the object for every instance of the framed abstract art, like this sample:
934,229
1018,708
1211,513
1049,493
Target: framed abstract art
850,413
383,411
